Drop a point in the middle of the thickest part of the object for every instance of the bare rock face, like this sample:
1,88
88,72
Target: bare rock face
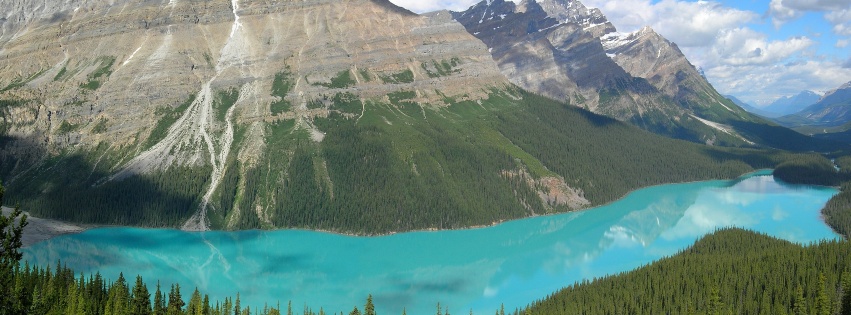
82,62
646,54
549,53
196,83
563,50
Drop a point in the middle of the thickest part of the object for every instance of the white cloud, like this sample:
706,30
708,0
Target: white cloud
842,43
689,24
837,12
737,59
744,46
763,83
841,20
815,5
781,13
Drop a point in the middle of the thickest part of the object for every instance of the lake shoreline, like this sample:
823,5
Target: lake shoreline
39,229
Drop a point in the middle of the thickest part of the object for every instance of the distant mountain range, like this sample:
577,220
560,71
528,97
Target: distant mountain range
748,107
788,105
831,110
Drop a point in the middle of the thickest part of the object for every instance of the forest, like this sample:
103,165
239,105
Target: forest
399,166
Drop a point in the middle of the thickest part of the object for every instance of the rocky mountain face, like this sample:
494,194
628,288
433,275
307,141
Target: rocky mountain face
152,56
788,105
544,47
145,86
833,109
563,50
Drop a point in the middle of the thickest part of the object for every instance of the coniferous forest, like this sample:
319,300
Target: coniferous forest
731,271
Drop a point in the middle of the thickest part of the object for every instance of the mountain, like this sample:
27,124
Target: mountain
563,50
787,105
832,109
827,115
352,116
748,107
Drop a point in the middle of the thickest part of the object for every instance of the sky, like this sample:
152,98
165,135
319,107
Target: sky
756,50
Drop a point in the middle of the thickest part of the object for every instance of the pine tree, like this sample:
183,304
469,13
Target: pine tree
715,305
355,311
845,306
369,308
141,298
159,304
194,307
800,306
175,301
236,308
10,244
823,305
205,309
118,301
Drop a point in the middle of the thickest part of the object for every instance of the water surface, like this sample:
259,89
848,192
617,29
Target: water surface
513,263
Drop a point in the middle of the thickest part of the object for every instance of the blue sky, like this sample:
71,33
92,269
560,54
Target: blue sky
756,50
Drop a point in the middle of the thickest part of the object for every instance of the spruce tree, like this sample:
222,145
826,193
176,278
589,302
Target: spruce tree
159,303
141,304
845,306
10,244
823,305
369,308
175,301
194,307
205,308
236,309
800,306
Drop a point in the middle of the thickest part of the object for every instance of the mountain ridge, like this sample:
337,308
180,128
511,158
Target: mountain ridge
787,105
576,55
830,111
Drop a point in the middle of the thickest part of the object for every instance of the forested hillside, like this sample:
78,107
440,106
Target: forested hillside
393,166
732,271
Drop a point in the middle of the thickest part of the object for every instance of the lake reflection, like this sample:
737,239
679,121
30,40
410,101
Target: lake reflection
513,263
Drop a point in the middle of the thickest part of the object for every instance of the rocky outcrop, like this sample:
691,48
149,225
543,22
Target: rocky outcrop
563,50
546,47
121,62
155,84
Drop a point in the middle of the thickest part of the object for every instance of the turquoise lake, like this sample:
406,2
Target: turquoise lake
513,263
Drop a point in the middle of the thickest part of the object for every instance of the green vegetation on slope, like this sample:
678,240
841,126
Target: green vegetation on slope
168,116
811,169
281,86
837,212
729,272
96,78
388,166
83,186
406,76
